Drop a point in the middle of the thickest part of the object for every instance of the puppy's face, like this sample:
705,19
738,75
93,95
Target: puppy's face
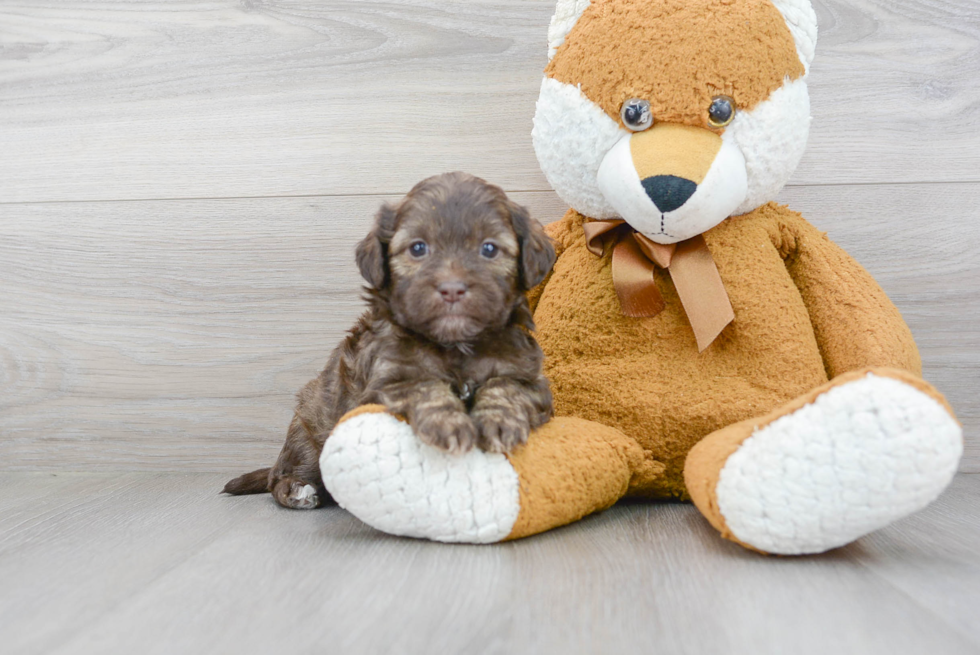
453,258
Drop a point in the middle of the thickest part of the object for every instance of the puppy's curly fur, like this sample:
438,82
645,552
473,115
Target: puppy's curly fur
446,339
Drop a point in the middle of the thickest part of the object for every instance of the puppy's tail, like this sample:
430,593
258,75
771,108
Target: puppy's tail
256,482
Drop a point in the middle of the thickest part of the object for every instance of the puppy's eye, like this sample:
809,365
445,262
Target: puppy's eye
418,248
489,250
721,112
636,114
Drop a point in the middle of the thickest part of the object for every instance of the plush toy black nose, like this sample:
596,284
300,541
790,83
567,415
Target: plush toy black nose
668,192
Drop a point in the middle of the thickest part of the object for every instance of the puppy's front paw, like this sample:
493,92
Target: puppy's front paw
449,430
501,430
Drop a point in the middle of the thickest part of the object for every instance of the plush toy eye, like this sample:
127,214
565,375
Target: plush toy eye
418,248
636,114
489,250
721,112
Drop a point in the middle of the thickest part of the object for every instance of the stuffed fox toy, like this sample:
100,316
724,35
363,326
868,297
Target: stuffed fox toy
702,342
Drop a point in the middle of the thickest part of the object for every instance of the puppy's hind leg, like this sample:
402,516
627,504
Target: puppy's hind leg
299,494
295,479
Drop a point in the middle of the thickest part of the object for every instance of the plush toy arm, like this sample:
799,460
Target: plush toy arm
855,323
378,469
560,232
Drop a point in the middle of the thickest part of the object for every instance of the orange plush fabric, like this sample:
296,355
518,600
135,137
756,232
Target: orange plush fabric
804,312
620,50
572,468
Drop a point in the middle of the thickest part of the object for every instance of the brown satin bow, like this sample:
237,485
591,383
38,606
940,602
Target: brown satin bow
691,268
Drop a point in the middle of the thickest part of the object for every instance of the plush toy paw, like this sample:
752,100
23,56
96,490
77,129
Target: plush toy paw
858,456
375,466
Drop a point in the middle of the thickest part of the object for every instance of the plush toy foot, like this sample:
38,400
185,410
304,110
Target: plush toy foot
850,457
375,467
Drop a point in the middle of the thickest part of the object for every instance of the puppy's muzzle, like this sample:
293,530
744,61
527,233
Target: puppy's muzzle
452,292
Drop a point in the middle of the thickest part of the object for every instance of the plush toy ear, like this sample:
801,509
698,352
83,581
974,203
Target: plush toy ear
537,251
372,252
802,23
567,13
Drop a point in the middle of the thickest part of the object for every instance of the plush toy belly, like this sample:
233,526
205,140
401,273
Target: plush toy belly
646,377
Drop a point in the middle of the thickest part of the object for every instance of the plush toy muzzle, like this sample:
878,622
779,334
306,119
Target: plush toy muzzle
672,182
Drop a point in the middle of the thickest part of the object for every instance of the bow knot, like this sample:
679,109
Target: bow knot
692,270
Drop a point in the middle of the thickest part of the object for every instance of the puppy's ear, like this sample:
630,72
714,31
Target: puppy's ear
537,250
372,252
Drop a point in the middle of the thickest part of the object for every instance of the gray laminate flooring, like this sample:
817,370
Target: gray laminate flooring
161,563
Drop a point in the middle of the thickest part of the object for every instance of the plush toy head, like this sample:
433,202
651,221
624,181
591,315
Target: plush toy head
674,114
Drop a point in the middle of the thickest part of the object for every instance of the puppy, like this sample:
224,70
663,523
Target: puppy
446,339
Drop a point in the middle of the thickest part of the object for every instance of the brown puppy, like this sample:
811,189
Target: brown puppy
446,340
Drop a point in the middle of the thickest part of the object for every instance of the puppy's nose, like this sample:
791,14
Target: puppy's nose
452,291
668,192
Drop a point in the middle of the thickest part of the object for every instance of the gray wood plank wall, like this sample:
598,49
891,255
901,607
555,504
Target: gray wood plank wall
181,186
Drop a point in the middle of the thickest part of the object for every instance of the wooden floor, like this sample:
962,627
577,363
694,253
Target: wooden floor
160,563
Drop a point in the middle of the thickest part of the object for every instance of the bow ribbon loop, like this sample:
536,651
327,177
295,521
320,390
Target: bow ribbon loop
691,268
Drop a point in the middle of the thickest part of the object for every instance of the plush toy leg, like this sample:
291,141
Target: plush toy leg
376,468
866,449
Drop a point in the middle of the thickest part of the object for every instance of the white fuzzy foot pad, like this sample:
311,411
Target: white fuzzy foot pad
377,469
862,455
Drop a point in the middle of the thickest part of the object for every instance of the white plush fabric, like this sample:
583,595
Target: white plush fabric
375,467
571,136
802,23
862,455
567,13
723,189
772,138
